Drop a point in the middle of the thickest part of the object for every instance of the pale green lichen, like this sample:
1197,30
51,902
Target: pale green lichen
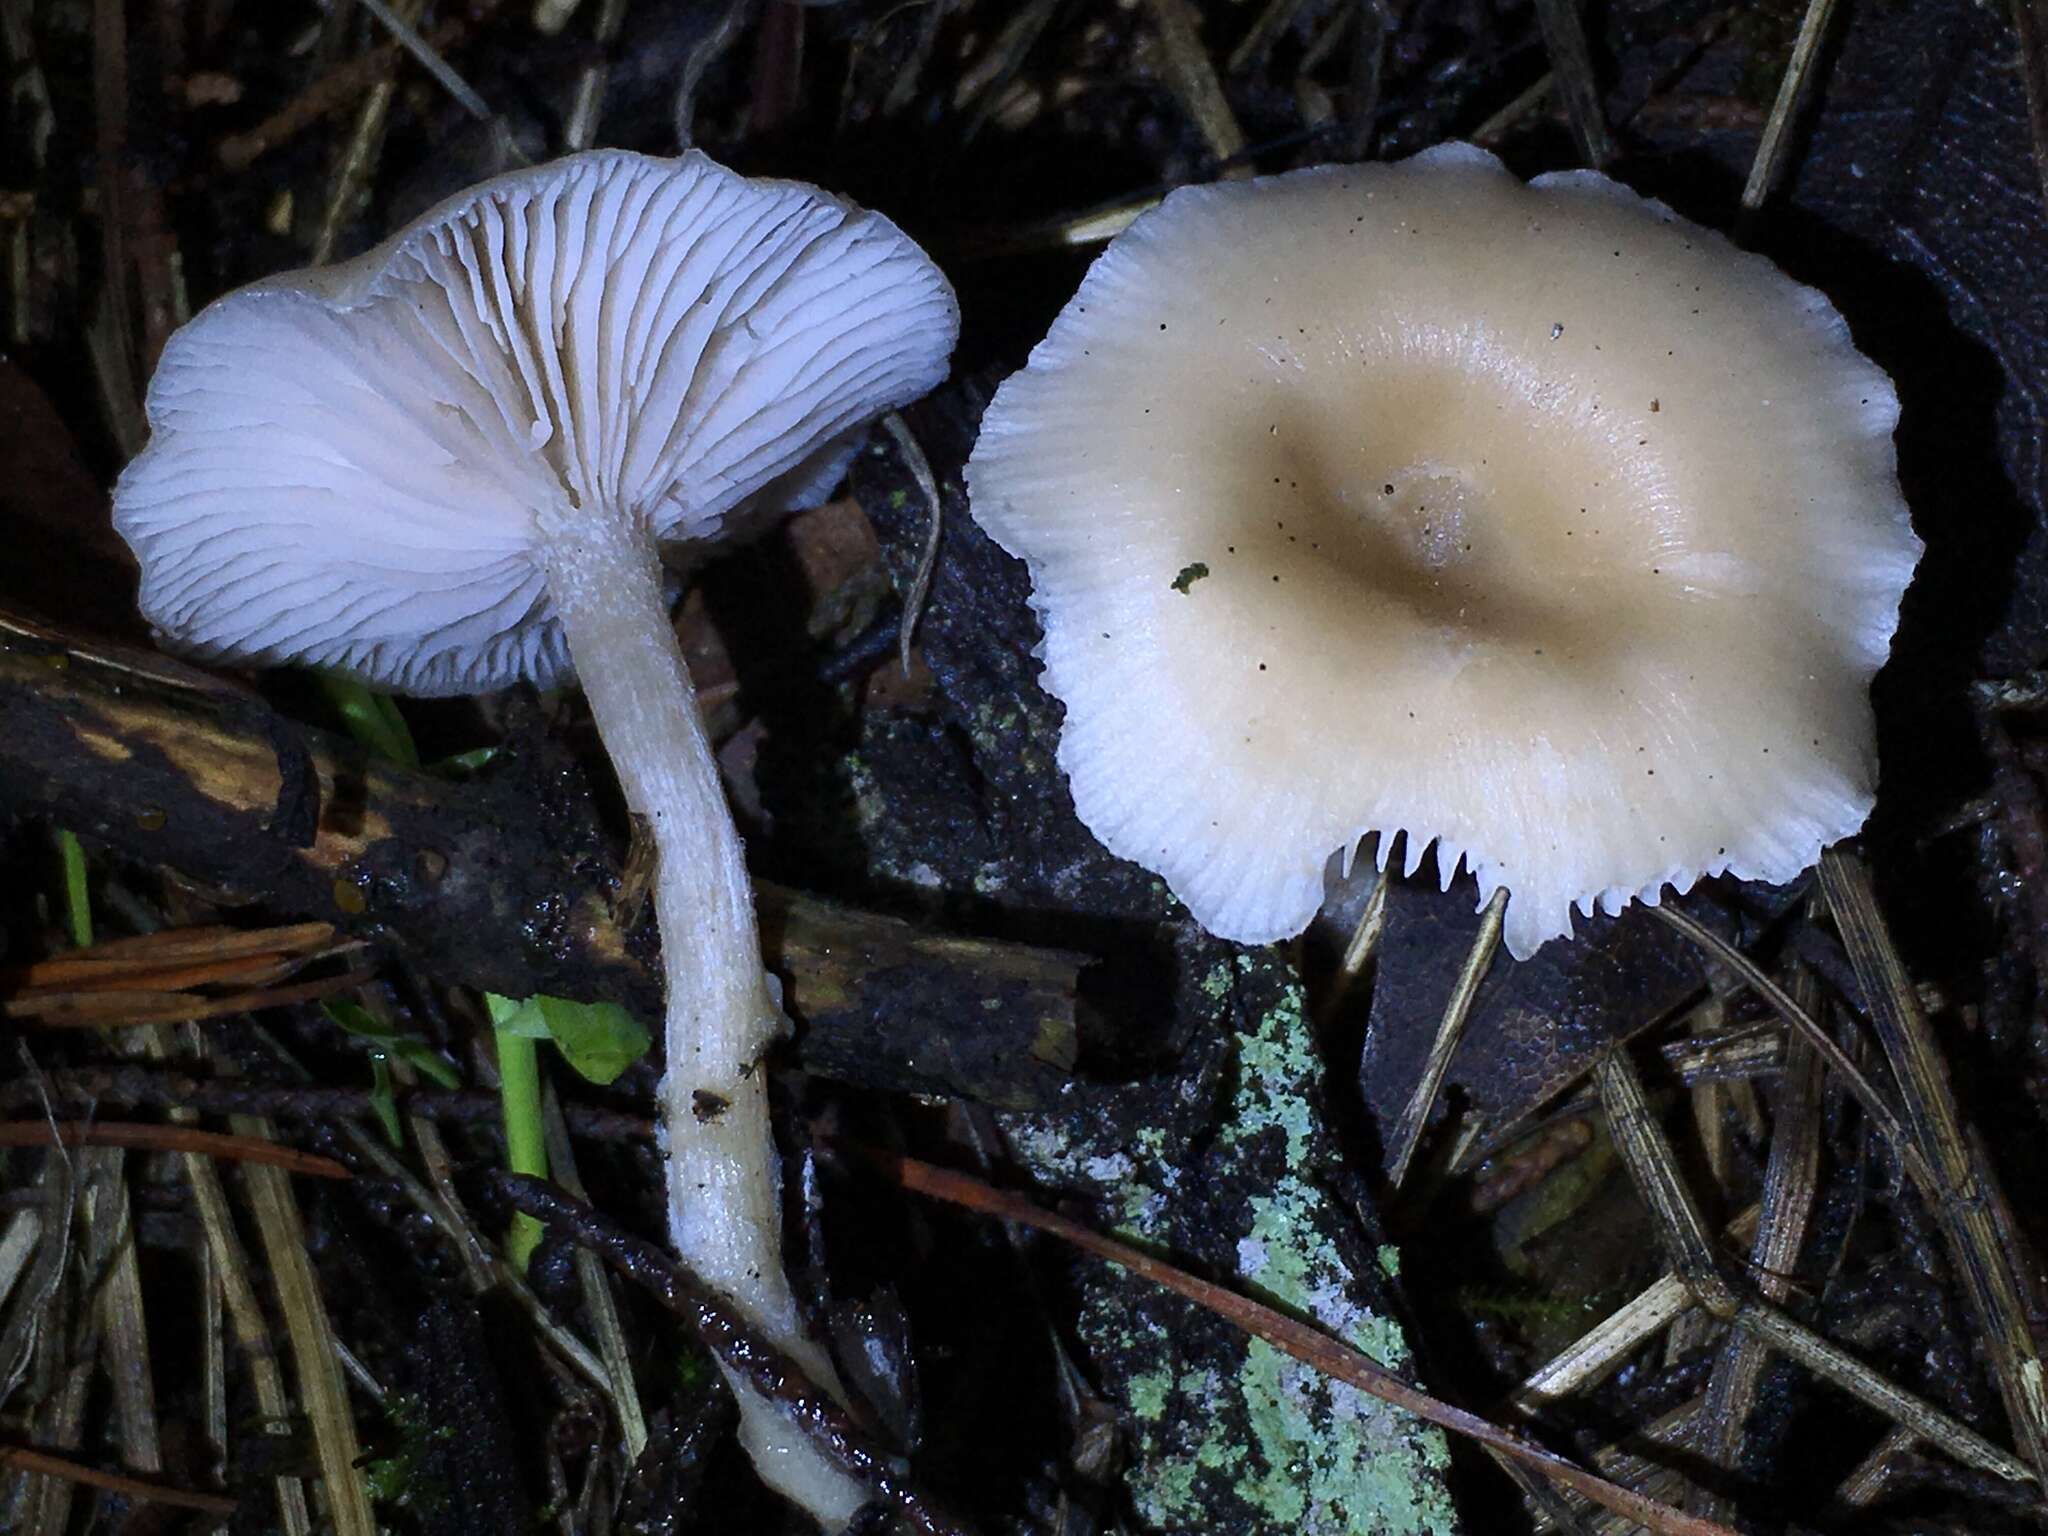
1275,1449
1146,1393
1276,1072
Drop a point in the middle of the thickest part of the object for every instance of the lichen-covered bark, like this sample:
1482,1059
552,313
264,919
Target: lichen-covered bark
1201,1129
1227,1433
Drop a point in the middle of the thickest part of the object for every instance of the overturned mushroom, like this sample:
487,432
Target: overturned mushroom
1531,520
453,463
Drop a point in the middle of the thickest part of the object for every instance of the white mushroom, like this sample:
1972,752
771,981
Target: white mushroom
1533,520
452,463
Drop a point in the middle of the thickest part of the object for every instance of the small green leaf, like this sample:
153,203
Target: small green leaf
465,762
600,1040
517,1016
371,717
410,1049
384,1101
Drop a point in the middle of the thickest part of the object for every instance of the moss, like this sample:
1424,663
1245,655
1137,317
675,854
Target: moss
397,1479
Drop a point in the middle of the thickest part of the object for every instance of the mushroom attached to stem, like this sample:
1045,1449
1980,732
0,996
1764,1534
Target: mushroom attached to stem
1528,519
457,461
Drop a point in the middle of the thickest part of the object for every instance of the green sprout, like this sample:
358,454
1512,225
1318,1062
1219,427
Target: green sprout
77,899
598,1040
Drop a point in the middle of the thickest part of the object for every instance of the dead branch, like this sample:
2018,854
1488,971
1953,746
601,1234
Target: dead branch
506,882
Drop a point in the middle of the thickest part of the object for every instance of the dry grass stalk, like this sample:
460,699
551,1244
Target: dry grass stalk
1682,1234
1773,152
359,153
1603,1349
123,1323
1866,1094
596,1287
2030,18
928,558
1571,63
1791,1184
321,1390
1966,1200
1192,78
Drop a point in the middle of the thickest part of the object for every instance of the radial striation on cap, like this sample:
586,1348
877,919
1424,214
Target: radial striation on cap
1532,520
348,466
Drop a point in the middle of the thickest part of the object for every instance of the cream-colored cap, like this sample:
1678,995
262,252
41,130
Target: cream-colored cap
1529,519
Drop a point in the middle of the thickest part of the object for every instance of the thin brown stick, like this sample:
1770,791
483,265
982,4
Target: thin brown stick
168,1138
130,1086
254,970
153,953
22,1459
129,1010
1307,1344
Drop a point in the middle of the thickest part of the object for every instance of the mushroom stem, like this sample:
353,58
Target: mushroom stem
604,575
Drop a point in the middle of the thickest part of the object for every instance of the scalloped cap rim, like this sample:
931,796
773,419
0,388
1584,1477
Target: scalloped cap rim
1531,520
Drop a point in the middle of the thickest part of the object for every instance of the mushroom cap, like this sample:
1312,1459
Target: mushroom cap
354,466
1529,519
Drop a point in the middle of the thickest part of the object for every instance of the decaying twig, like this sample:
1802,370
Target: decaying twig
483,883
22,1459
